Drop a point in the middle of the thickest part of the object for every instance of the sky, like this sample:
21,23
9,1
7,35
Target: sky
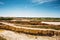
30,8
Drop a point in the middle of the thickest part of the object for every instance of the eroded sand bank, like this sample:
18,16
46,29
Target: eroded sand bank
10,35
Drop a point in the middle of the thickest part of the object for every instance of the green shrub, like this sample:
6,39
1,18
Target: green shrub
5,18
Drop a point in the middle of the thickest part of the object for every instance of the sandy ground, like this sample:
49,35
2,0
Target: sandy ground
12,25
10,35
54,23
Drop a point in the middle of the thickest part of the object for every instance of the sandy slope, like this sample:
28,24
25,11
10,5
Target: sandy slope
10,35
12,25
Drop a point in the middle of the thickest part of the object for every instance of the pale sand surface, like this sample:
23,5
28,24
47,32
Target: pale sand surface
54,23
10,35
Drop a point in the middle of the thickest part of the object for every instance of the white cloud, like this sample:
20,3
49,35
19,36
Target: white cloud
42,1
2,3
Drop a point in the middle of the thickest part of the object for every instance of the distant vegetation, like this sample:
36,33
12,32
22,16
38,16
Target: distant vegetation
50,19
5,18
47,19
34,19
40,19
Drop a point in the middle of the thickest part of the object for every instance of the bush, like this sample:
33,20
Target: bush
5,18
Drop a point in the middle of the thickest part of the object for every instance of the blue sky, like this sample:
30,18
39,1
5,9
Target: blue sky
30,8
